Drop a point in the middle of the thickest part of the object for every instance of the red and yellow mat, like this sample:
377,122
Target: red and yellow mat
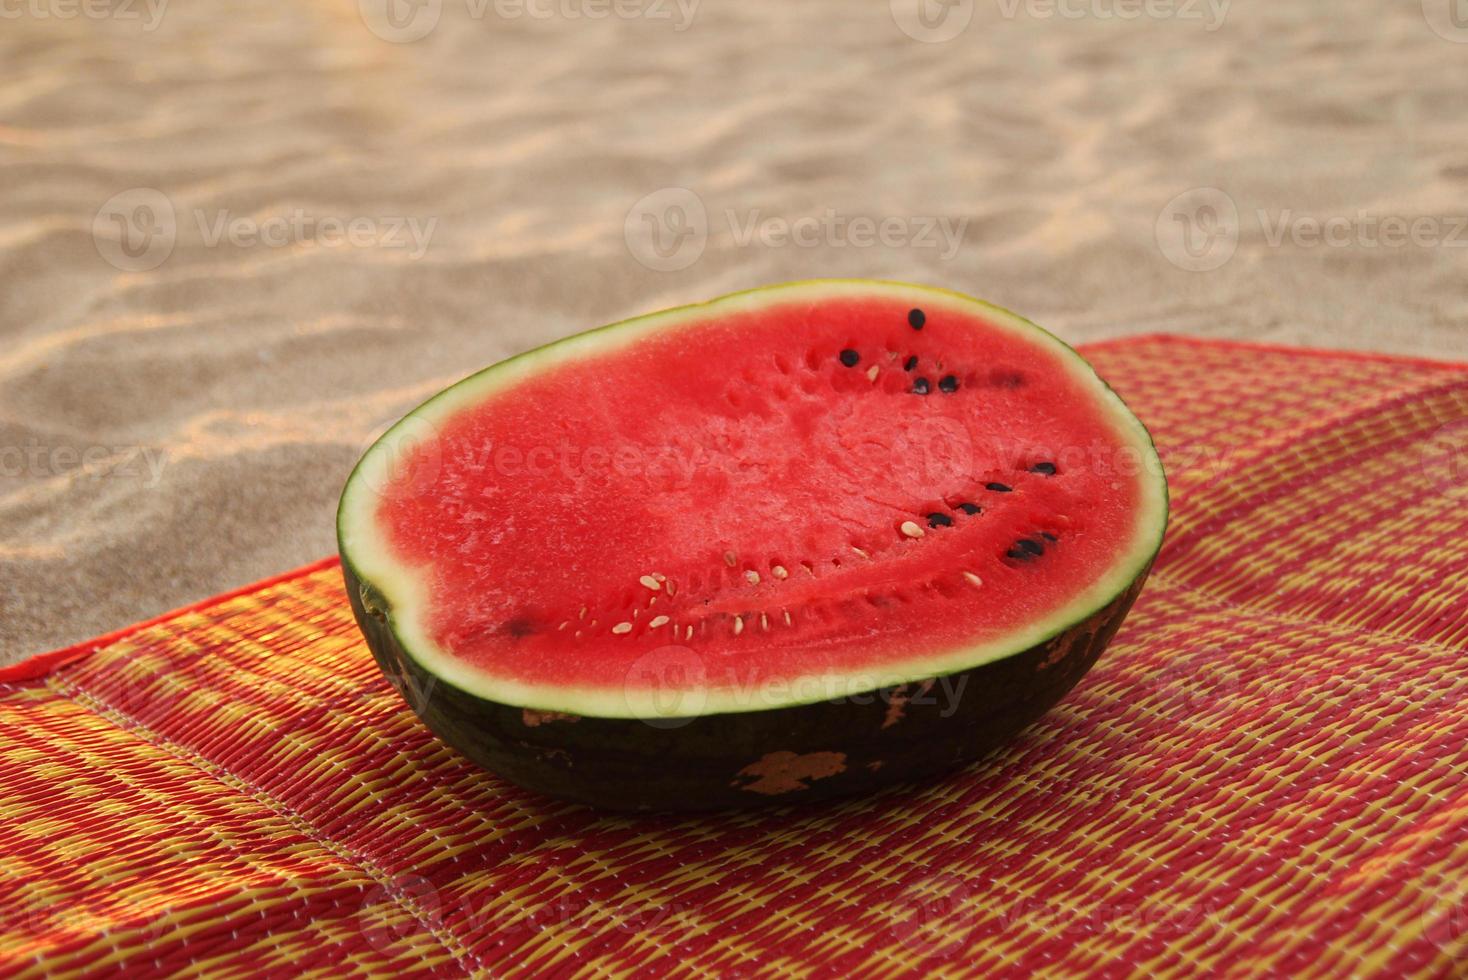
1267,773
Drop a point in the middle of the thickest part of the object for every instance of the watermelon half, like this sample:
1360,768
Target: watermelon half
798,541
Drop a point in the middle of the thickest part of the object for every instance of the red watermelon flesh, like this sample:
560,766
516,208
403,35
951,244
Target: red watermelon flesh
800,492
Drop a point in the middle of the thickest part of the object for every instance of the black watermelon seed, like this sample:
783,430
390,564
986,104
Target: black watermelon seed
916,319
998,487
948,384
939,520
850,357
1049,537
1047,468
969,508
1025,549
921,386
910,363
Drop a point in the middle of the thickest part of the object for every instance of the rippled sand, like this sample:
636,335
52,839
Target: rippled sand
195,356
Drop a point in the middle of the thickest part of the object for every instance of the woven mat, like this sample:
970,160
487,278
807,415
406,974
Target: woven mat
1266,773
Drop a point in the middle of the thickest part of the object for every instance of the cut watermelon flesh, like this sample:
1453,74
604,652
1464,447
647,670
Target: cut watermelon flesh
796,494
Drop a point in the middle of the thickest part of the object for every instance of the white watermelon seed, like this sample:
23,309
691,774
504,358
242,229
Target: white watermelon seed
622,628
752,576
911,530
651,582
973,579
657,621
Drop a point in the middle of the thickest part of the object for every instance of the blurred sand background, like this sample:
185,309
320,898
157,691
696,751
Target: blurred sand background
193,357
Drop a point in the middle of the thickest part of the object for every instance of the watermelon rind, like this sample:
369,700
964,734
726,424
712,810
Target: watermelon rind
482,713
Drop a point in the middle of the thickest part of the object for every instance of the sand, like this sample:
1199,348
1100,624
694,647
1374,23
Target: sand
236,239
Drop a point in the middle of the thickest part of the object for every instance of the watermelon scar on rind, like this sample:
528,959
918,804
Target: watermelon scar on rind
794,496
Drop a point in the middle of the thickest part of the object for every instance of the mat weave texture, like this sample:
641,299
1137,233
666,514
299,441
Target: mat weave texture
1267,773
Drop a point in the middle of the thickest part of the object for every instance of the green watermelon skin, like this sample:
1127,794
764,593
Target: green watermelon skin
783,755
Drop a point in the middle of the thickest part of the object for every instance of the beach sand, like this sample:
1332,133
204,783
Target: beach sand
237,239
